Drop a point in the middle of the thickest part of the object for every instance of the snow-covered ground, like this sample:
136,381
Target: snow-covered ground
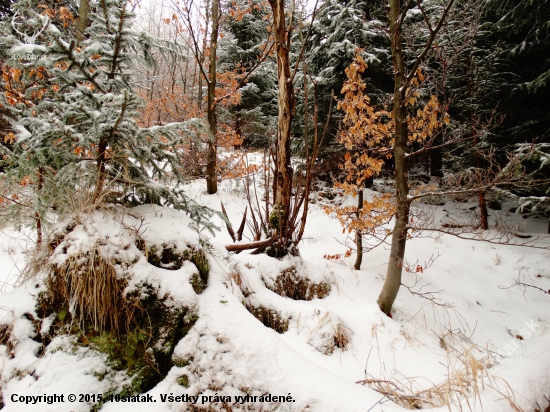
501,333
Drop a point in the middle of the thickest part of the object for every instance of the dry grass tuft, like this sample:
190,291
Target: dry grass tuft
468,373
5,336
291,285
334,333
342,336
88,285
269,317
241,283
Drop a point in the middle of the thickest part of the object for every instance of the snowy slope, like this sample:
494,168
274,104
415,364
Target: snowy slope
229,352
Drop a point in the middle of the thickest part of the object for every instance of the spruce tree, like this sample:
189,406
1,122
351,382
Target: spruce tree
340,28
520,74
74,111
243,44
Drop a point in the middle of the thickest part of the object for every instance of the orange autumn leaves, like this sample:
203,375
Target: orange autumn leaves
367,134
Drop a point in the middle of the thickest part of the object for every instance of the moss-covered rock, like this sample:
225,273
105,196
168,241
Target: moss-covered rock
269,317
166,256
199,281
143,349
292,285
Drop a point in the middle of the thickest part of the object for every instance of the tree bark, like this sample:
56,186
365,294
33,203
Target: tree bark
436,159
283,171
399,234
358,234
200,62
402,81
211,178
239,247
483,221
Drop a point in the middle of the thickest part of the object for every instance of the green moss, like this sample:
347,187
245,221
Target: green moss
181,362
199,259
276,216
168,256
62,314
143,349
199,281
183,380
145,353
154,256
125,352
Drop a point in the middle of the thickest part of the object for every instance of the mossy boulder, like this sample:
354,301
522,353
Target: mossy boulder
143,348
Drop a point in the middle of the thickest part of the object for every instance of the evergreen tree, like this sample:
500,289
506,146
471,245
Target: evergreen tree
519,30
341,27
243,44
74,116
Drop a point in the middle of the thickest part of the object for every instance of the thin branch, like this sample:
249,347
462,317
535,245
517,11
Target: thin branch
297,64
420,58
525,285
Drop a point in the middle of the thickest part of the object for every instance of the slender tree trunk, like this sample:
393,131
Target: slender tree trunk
200,63
358,234
211,178
369,182
283,170
101,173
37,214
238,125
484,221
436,160
399,234
83,21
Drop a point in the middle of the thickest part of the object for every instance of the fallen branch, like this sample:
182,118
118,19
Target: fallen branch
253,245
525,285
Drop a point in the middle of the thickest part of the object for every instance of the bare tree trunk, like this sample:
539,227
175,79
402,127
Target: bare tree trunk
211,178
484,221
283,170
436,159
200,62
238,125
82,22
399,234
358,234
37,214
402,82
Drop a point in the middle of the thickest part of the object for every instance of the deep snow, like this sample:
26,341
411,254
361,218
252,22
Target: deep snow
231,353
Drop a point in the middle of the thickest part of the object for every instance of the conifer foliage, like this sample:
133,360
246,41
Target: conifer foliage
74,113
